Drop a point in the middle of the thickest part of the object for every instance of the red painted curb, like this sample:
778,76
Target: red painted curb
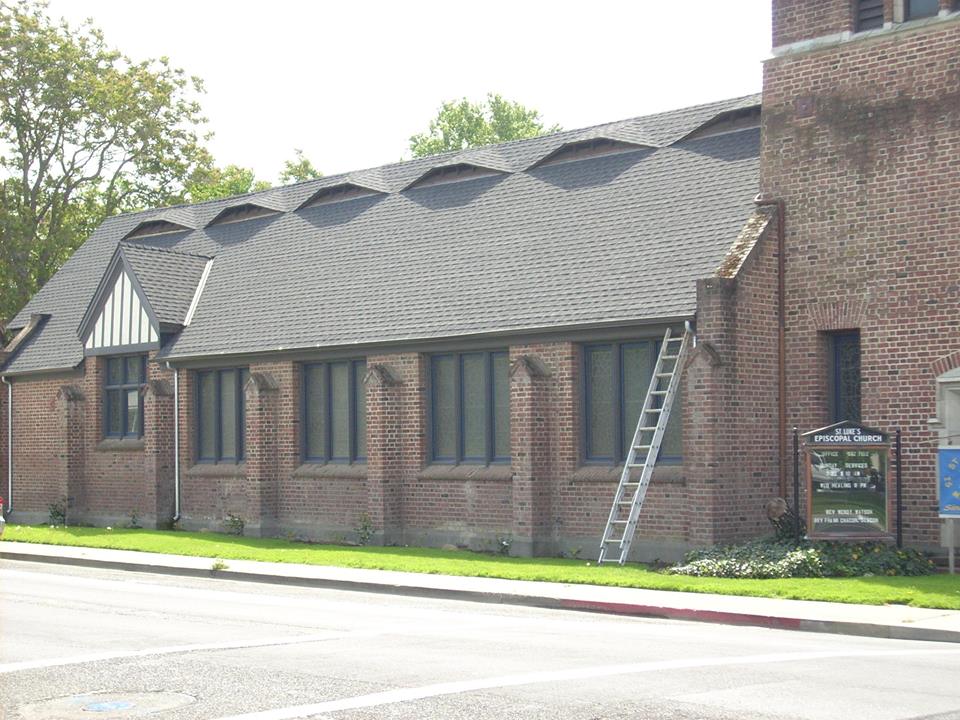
714,616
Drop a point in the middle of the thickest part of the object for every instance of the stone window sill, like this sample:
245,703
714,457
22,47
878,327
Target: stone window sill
355,471
120,445
611,473
218,470
466,472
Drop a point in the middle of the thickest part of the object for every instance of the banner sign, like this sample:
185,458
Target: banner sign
847,498
949,484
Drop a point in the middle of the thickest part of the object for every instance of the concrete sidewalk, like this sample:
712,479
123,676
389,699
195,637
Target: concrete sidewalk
889,621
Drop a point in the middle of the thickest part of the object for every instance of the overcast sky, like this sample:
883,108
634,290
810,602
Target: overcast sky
350,82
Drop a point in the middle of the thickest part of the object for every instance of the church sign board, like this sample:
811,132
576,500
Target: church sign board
846,467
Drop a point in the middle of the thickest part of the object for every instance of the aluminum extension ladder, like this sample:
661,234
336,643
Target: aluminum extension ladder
622,523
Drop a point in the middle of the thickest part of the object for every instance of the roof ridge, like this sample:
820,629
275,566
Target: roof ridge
153,248
345,176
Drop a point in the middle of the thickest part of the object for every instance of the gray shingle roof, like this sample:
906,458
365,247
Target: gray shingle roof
613,238
168,278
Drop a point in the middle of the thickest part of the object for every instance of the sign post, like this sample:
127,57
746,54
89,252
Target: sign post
948,492
847,466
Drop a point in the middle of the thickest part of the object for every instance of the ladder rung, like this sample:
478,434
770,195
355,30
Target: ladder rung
648,428
669,374
636,465
675,339
659,392
669,357
631,484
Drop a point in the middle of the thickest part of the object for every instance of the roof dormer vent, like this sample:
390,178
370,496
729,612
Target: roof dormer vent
456,172
241,212
338,193
150,228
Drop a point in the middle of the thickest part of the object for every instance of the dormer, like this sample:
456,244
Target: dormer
452,173
582,149
151,228
725,122
242,211
340,192
119,318
144,293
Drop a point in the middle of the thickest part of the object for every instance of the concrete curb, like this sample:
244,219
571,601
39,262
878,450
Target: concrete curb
776,622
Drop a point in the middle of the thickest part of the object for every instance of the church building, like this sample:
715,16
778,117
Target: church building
456,349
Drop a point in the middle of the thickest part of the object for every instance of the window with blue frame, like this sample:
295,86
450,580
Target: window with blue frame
616,377
334,412
470,407
845,376
220,414
122,396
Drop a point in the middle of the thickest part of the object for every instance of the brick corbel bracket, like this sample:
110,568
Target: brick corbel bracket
381,376
527,368
158,388
70,393
260,382
706,351
946,363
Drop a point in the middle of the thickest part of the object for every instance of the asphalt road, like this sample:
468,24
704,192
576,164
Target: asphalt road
81,643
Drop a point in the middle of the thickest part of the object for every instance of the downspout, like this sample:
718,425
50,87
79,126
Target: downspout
763,200
3,378
176,442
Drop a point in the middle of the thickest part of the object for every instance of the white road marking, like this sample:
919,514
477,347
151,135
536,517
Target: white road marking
175,649
390,697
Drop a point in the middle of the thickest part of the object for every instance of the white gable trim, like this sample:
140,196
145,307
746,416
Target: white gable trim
124,321
196,295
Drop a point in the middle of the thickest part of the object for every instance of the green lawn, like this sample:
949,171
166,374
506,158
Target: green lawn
935,591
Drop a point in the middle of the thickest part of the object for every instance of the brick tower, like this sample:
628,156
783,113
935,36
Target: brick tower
861,142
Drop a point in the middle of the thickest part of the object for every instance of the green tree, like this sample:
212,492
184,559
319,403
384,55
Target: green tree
462,124
212,183
298,169
85,132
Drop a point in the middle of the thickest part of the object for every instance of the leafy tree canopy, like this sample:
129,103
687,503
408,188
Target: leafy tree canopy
211,183
85,132
298,169
461,124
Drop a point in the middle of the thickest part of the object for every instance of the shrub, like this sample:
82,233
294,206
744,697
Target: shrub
234,524
773,559
57,511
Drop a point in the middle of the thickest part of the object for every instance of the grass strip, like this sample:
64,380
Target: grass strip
932,591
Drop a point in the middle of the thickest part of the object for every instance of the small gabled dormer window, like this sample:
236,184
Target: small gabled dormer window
583,149
452,174
869,15
238,213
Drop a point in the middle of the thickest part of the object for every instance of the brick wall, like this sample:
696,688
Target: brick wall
861,141
731,439
39,454
795,20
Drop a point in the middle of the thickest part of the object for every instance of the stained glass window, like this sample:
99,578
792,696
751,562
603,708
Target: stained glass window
470,407
123,401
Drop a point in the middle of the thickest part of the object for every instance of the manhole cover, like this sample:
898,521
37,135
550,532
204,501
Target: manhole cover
105,705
